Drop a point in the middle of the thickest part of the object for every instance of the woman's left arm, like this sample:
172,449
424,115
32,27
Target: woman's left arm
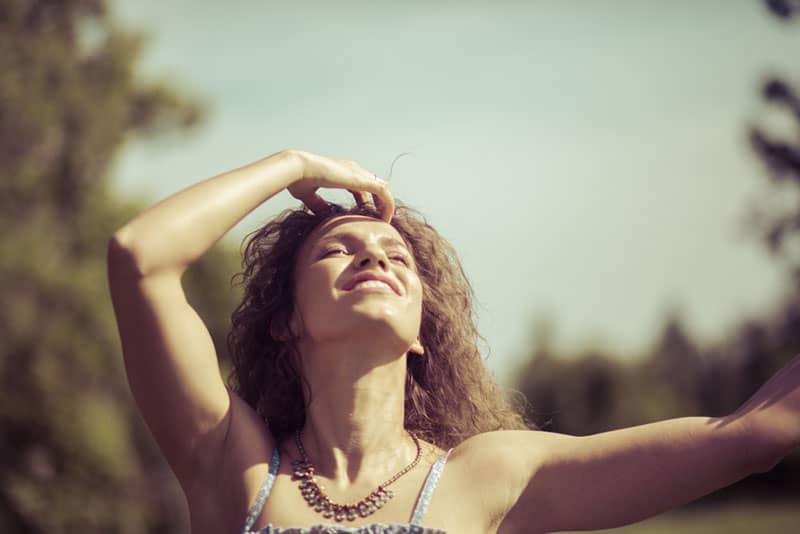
623,476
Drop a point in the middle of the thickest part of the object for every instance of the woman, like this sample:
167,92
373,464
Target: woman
359,404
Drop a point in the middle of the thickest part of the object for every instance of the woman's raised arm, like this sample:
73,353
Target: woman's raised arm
556,482
175,232
169,356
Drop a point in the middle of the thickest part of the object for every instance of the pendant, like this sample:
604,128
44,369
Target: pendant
321,503
303,471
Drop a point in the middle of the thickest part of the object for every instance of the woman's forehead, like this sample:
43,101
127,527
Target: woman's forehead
354,226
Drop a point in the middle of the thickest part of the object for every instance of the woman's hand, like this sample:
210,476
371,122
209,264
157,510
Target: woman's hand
772,415
320,171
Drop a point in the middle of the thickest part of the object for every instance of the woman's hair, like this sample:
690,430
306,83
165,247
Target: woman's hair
449,394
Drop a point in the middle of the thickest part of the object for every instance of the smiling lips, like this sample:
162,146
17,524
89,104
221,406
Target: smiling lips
372,281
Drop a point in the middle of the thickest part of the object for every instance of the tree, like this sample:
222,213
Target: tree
781,157
74,454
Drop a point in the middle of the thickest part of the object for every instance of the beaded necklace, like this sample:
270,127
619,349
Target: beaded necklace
317,499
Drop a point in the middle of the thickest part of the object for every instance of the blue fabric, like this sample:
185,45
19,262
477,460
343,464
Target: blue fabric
414,527
376,528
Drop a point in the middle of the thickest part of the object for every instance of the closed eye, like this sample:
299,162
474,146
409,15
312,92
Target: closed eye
401,259
333,251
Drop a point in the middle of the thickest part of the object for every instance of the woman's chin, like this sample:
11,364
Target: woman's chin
376,309
376,323
370,320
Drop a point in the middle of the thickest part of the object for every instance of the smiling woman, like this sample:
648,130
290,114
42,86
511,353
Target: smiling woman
449,394
355,357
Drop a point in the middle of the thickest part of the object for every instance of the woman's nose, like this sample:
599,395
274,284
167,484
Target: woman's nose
369,257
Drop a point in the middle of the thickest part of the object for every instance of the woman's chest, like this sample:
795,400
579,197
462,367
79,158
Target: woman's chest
439,509
443,496
445,506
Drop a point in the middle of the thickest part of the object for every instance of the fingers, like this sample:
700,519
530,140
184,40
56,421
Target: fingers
361,197
381,197
368,182
342,174
388,209
384,203
316,204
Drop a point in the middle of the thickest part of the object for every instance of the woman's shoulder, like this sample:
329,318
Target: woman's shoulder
495,443
248,434
480,482
236,471
511,454
498,464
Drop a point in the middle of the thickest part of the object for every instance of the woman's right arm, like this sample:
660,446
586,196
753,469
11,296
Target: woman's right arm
169,356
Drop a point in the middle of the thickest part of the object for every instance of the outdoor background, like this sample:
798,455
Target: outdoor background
620,177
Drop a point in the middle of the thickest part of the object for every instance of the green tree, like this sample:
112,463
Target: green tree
781,157
74,454
669,377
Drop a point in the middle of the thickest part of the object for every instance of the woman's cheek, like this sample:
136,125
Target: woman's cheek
415,284
319,292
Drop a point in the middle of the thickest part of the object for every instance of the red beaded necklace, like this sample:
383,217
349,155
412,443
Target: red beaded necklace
317,499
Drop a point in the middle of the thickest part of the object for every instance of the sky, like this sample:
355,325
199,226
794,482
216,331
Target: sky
588,160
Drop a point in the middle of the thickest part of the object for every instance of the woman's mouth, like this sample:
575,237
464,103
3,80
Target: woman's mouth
373,285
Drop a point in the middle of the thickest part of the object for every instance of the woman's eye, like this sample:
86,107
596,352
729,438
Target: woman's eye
333,251
401,259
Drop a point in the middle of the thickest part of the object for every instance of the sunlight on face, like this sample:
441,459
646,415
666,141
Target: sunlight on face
356,276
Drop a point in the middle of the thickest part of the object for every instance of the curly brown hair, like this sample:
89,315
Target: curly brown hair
449,394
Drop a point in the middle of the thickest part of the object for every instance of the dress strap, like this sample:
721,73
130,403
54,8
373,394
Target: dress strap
425,495
263,493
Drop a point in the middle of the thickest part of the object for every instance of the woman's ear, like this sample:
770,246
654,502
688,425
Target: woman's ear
417,348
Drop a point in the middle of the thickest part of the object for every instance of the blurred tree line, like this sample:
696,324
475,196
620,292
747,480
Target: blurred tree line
74,454
593,392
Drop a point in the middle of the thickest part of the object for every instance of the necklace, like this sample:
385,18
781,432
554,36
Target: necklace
316,497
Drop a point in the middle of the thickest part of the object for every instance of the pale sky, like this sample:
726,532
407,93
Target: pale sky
587,159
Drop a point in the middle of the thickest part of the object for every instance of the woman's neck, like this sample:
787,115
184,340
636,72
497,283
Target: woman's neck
355,421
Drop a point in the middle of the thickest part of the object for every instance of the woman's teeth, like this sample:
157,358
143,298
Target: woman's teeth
373,283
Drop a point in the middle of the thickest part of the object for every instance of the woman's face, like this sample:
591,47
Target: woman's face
356,276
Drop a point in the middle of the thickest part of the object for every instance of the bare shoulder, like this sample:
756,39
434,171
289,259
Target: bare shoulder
496,468
224,495
503,452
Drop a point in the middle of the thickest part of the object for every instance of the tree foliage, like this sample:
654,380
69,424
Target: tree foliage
74,454
781,156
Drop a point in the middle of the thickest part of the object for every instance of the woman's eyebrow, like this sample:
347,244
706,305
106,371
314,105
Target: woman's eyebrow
394,241
345,237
